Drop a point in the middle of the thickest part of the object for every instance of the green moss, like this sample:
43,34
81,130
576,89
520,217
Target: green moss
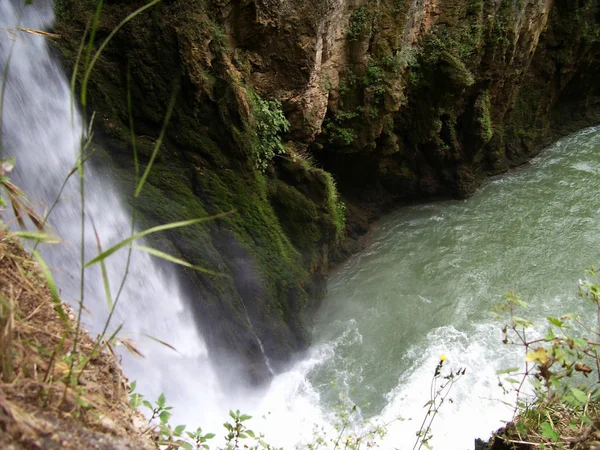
474,7
483,122
455,70
336,206
297,214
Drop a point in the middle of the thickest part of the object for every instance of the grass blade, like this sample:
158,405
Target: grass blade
173,259
90,66
168,226
158,144
105,281
88,51
162,342
36,236
58,307
128,344
136,163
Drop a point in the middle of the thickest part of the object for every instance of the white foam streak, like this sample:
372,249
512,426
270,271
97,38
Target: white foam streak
475,405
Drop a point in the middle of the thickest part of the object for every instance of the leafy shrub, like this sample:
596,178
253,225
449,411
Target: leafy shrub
561,366
358,23
270,122
339,128
375,74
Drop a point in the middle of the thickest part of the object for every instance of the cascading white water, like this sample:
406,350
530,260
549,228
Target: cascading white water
43,133
426,267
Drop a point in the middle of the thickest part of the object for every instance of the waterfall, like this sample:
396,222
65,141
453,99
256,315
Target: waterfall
43,133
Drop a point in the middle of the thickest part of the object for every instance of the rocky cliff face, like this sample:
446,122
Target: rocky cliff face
395,100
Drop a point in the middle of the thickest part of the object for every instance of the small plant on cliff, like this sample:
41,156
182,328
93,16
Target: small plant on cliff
270,122
338,128
358,23
562,366
338,207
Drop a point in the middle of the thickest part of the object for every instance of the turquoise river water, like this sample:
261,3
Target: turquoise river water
427,282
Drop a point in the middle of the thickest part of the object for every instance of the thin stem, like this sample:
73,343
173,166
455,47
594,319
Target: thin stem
431,400
60,191
92,63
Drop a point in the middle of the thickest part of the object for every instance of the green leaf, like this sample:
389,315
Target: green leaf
164,416
135,400
58,307
209,436
548,432
228,426
251,434
161,401
512,380
186,446
148,405
36,236
509,370
586,420
579,395
173,259
105,280
520,322
245,417
554,321
178,430
169,226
